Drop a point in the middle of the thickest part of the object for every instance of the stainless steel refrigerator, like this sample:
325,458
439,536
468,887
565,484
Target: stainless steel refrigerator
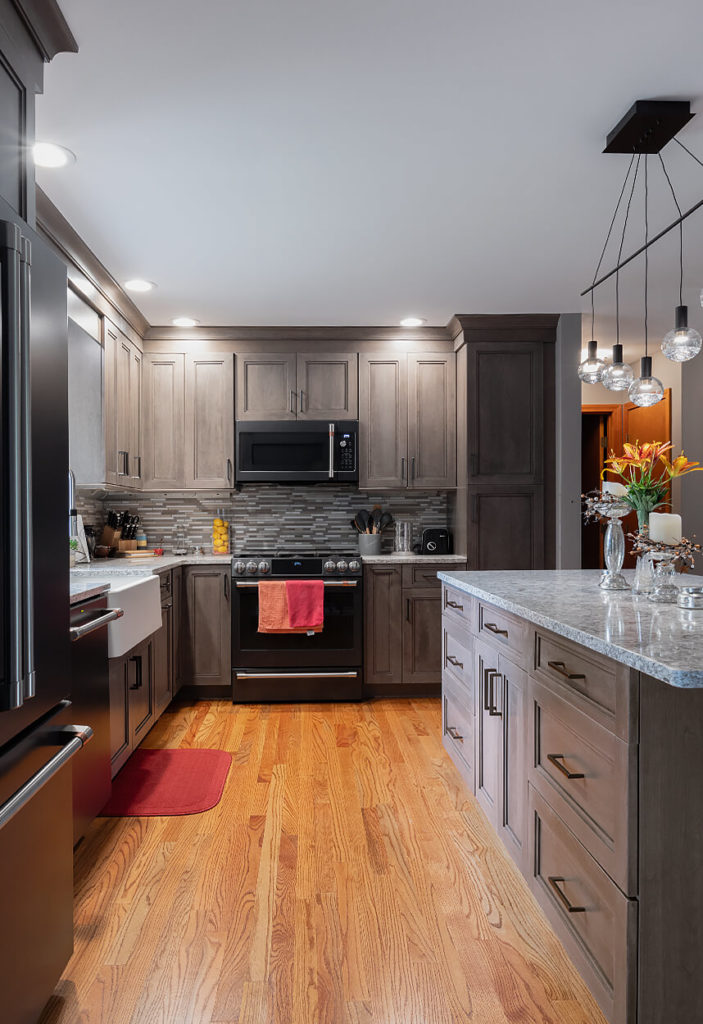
38,738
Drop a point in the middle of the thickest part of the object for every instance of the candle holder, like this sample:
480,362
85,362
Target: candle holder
602,506
664,557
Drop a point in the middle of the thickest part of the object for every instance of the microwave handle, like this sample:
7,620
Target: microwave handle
331,469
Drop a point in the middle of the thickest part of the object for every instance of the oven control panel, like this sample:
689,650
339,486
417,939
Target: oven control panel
285,566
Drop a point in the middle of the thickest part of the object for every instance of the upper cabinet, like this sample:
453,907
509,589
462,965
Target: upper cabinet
209,421
188,411
122,409
306,386
407,420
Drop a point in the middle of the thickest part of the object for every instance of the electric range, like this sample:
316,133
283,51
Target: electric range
295,667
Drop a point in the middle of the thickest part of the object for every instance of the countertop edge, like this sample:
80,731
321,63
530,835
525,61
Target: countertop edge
640,662
88,593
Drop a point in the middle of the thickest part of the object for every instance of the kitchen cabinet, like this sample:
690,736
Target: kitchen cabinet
163,647
132,712
290,386
407,421
177,619
164,412
209,421
122,409
207,628
403,628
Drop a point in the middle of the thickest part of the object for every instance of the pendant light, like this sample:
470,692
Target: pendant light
590,371
619,375
683,343
646,390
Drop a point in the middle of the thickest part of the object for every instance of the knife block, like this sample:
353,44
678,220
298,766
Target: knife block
110,536
127,545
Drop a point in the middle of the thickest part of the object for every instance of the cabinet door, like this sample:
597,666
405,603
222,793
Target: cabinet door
383,421
489,733
383,626
120,737
432,420
267,386
123,407
163,408
422,636
209,420
512,823
110,335
207,641
505,412
135,417
506,528
163,659
177,630
328,386
141,691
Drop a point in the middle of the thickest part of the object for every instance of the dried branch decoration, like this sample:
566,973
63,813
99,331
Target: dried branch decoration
683,552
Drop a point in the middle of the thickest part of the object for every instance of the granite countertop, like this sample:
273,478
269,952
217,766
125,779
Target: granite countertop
410,558
84,589
106,567
663,641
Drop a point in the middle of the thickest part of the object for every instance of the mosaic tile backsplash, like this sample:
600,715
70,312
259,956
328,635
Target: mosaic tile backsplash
265,517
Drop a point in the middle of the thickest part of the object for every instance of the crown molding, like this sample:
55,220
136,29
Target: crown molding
47,26
309,335
503,326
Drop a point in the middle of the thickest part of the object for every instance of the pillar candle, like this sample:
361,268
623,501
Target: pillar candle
664,527
614,488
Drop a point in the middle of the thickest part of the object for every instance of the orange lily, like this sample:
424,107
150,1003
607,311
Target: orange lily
681,466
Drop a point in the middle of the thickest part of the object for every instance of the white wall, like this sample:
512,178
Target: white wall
568,438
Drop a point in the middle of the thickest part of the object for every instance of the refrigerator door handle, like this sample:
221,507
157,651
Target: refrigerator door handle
29,682
76,737
11,243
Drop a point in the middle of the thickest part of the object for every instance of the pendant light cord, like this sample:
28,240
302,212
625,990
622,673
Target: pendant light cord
673,193
646,252
692,155
622,242
607,237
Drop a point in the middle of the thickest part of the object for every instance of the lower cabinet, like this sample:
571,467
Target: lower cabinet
402,628
132,711
206,626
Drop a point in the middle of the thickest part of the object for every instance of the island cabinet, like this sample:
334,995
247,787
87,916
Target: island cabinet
590,772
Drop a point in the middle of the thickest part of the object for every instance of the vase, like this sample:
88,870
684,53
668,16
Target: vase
642,518
614,550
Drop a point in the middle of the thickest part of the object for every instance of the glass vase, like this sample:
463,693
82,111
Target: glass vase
614,551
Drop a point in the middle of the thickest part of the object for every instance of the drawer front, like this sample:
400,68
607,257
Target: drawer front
594,920
590,776
457,652
458,606
458,727
601,688
504,632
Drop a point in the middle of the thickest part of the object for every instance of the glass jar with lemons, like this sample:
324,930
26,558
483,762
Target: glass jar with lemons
220,534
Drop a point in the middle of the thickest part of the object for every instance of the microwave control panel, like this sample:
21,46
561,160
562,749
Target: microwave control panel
346,452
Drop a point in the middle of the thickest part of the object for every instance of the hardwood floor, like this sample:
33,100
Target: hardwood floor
345,877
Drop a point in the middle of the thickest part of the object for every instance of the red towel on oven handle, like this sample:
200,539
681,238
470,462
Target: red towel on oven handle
306,603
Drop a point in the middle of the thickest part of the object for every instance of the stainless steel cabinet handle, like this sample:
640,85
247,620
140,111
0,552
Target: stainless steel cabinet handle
412,468
331,467
76,737
10,305
292,402
122,455
561,668
488,674
301,399
296,675
492,628
402,469
454,661
29,685
455,604
455,735
493,710
139,677
227,584
244,584
408,610
556,760
76,632
229,471
554,881
138,459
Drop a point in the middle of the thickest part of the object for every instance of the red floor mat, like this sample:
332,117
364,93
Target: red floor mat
162,782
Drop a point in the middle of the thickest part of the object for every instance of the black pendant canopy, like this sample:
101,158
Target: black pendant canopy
648,126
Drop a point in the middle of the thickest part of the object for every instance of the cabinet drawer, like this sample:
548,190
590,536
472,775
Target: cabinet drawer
503,631
458,727
595,922
458,606
425,574
457,648
590,776
598,686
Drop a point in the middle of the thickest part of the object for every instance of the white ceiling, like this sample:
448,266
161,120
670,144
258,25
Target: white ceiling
326,162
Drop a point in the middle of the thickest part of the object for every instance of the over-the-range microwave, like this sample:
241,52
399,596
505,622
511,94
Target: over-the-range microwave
310,451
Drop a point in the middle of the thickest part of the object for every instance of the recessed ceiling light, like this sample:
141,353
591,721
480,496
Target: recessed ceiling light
49,154
184,321
137,284
413,321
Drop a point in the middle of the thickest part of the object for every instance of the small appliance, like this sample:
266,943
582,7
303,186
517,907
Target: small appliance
307,451
436,541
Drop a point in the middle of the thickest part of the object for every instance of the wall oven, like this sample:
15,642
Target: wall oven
310,451
291,667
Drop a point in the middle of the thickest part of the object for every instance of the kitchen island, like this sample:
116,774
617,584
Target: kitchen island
575,716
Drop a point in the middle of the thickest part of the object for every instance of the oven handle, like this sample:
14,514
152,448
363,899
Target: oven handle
296,675
327,583
330,472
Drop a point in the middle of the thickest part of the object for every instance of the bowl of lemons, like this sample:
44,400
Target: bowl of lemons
220,535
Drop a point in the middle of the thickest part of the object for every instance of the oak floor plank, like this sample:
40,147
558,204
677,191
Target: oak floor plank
345,877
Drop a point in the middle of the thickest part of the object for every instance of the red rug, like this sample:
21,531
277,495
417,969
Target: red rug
161,782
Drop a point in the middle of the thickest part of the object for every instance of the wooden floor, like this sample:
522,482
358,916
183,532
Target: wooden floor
344,877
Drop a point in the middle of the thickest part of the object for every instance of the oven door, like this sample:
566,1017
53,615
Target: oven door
304,452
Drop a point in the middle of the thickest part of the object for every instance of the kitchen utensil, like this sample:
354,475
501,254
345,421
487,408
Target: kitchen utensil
386,520
376,519
353,524
362,520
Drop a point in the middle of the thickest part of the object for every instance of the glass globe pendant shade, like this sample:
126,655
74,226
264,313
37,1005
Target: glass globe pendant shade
591,369
618,376
683,343
646,390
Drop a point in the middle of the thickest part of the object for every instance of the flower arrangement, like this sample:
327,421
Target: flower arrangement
646,471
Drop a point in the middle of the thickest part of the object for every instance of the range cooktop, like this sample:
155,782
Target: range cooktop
296,563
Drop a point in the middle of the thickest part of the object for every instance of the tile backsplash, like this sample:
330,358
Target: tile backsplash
268,516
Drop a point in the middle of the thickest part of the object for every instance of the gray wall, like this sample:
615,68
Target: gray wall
568,438
691,500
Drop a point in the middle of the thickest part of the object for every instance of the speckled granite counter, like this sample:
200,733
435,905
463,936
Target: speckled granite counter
107,567
664,641
410,558
85,589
